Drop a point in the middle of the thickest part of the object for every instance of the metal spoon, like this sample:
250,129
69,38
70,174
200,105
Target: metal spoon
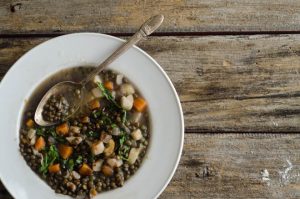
69,88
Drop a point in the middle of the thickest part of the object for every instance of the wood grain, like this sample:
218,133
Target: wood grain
225,83
230,166
117,16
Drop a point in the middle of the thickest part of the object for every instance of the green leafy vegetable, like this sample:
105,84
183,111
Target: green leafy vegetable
70,165
113,125
40,131
92,134
96,114
78,160
106,120
63,163
123,150
122,139
67,164
50,156
108,95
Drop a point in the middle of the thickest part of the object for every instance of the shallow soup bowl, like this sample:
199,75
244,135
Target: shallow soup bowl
86,49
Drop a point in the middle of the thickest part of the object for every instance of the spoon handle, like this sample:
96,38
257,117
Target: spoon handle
146,29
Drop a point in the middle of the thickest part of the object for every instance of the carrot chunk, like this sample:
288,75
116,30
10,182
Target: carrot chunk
85,170
55,168
109,85
139,104
30,123
40,144
85,119
62,129
94,104
107,170
65,151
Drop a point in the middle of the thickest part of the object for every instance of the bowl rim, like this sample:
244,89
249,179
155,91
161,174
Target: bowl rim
180,148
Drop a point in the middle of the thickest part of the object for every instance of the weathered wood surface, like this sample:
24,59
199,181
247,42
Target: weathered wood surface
230,166
117,16
226,83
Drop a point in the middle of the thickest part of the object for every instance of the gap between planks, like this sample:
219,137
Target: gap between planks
159,34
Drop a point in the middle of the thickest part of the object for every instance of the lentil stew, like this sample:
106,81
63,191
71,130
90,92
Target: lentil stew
97,149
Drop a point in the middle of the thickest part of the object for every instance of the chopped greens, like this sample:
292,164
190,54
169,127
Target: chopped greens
40,131
113,125
122,139
106,120
108,95
110,98
92,134
78,160
50,156
70,165
123,152
97,114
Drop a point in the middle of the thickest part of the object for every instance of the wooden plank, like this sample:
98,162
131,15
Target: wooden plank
231,165
3,193
1,187
226,83
5,196
116,16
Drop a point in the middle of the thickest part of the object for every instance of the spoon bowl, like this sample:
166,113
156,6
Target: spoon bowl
71,92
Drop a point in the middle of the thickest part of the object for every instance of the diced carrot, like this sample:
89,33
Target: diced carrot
85,170
139,104
93,192
65,151
107,170
40,144
109,85
94,104
62,129
85,119
55,168
30,123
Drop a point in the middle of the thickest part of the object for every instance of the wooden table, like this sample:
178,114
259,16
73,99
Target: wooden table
235,65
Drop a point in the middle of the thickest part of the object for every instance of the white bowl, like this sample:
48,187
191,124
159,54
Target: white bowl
167,130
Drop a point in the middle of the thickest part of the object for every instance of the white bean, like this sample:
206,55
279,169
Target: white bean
31,133
119,79
133,155
127,102
127,89
97,92
97,148
137,134
97,165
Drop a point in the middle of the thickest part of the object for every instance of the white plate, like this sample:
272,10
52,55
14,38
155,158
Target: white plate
89,49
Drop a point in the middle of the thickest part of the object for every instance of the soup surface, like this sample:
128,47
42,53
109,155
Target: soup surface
98,148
